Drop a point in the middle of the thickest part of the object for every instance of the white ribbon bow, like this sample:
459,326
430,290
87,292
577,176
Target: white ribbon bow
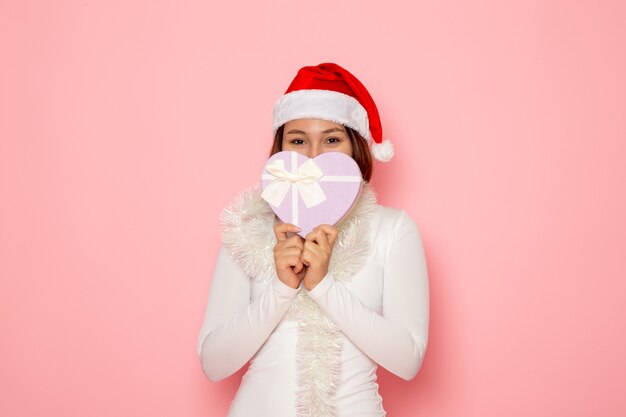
304,180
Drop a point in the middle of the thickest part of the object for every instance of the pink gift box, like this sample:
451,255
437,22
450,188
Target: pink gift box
309,192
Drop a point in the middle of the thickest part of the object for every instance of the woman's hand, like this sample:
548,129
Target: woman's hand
287,253
318,246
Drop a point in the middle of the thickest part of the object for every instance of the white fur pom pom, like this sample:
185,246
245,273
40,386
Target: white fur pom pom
382,151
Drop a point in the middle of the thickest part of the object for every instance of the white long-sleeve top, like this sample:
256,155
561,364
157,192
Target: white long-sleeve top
382,313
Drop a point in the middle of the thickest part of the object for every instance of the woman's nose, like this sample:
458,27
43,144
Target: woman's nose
314,150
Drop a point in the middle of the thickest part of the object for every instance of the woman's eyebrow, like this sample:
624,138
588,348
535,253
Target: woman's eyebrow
332,129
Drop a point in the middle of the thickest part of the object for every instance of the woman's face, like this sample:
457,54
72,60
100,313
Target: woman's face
312,137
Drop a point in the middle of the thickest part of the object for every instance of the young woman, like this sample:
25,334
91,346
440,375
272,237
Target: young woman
314,317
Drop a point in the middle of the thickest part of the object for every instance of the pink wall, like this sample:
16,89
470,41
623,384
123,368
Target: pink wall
116,119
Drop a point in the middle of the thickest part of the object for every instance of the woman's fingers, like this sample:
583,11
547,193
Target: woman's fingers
318,237
281,230
293,261
290,252
330,231
295,241
287,254
291,242
312,253
299,254
324,235
299,266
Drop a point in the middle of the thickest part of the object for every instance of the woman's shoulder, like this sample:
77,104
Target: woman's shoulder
392,216
390,227
390,224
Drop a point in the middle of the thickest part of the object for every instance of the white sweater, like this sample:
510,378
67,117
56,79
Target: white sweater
382,313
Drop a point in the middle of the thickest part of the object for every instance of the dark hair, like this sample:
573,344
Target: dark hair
360,150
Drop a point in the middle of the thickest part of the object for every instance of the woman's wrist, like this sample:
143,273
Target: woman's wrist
312,278
320,287
285,289
309,286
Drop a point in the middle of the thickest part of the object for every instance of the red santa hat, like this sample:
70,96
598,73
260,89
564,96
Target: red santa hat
329,92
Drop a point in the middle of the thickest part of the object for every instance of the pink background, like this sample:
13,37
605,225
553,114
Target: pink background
117,120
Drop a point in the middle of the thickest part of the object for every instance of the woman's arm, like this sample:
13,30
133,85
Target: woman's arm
235,328
397,339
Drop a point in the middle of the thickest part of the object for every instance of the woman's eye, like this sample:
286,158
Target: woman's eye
333,140
296,141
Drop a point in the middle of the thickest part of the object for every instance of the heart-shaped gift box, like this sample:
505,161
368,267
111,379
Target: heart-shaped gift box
308,192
